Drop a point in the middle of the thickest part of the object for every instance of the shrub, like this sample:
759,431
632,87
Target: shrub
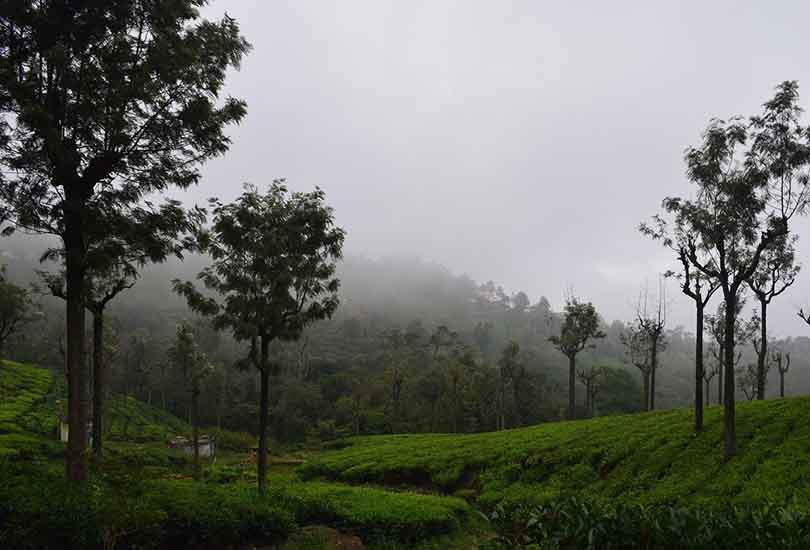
234,441
581,525
373,514
45,511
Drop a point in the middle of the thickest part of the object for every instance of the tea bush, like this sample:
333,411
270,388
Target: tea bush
580,525
372,513
652,458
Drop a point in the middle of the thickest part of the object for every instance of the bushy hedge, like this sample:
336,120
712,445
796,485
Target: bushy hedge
372,513
44,511
653,458
580,525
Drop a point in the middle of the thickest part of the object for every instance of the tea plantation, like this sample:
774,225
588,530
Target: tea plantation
143,495
643,481
652,458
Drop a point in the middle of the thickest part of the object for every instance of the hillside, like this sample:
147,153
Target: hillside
31,399
144,496
554,482
649,458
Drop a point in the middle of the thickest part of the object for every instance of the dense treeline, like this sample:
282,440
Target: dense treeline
413,347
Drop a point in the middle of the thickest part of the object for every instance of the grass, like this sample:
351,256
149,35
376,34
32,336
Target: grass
652,458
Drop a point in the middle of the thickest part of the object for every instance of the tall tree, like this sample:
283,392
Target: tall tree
782,361
590,378
508,366
751,182
580,325
775,274
636,344
185,355
694,284
105,104
652,323
708,376
273,268
103,284
16,308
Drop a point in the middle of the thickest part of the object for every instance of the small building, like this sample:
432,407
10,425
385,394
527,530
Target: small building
63,430
207,445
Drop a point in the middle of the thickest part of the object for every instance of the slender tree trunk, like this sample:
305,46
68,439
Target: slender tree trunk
572,383
588,398
645,378
98,385
195,428
763,350
264,412
729,411
708,392
781,384
501,408
653,370
76,463
721,373
699,368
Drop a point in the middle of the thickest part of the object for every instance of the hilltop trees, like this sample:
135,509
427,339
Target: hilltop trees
273,270
750,182
580,324
104,104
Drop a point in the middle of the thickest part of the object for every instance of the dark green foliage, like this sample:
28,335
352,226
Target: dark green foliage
751,180
38,511
652,458
369,512
274,262
580,324
102,105
581,525
16,308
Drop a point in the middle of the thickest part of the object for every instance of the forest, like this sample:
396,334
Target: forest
233,374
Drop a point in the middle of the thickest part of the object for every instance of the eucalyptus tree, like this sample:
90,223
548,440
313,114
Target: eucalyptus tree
104,105
775,274
273,268
580,325
751,180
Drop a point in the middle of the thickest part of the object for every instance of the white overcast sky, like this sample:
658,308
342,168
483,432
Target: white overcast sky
516,141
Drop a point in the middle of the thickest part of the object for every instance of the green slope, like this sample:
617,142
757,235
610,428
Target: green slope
649,458
138,490
32,397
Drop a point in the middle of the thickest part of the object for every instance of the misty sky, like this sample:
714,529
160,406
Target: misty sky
516,141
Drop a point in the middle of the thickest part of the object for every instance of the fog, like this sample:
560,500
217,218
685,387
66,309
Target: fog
516,141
